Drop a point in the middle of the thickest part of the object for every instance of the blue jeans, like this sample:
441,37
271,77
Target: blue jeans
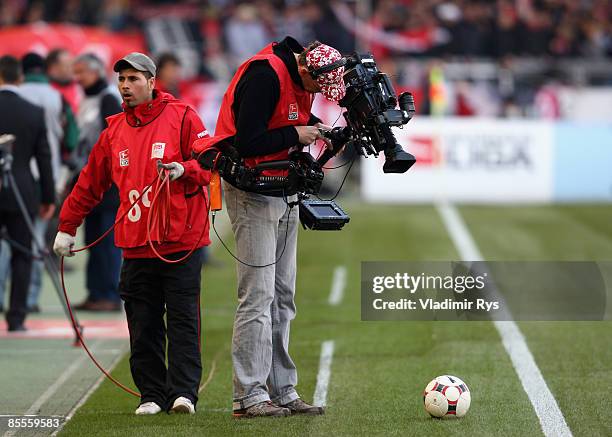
104,259
5,271
40,228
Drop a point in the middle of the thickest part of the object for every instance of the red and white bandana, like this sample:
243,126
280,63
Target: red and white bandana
332,86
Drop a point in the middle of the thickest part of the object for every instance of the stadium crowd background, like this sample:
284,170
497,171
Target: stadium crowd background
500,58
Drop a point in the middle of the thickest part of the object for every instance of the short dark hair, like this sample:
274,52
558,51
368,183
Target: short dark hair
10,69
302,56
53,57
167,58
32,63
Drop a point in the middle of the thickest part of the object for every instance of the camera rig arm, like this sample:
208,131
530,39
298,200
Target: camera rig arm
303,174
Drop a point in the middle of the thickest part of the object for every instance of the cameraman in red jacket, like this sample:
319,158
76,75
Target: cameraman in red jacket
154,126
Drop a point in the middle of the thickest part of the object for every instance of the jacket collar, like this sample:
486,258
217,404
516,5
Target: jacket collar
36,78
11,88
145,113
96,88
286,50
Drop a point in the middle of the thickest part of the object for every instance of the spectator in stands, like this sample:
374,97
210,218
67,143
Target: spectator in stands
245,33
59,69
169,74
104,259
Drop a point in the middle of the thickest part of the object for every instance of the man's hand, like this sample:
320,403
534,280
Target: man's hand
324,127
307,134
46,211
63,244
176,170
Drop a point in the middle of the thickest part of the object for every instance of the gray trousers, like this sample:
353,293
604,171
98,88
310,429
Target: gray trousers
263,226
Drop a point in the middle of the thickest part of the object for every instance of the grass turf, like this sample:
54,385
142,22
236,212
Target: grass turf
574,357
380,368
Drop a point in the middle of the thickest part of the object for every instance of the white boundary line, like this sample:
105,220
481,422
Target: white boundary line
327,353
338,286
546,408
89,392
51,390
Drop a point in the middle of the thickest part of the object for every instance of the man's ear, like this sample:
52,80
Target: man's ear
152,83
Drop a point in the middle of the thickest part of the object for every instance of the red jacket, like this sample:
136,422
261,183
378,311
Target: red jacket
293,108
127,153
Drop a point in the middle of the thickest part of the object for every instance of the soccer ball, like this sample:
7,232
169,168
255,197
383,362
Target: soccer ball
447,396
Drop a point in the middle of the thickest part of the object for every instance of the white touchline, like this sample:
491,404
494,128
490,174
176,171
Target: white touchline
327,353
551,419
53,388
89,392
338,285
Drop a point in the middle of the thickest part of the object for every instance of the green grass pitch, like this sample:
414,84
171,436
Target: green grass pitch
379,369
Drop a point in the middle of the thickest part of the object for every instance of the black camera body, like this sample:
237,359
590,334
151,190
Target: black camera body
371,112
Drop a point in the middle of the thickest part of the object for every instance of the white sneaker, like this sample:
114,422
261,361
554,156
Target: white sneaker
182,405
148,408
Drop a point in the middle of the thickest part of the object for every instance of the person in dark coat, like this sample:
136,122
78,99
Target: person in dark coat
27,123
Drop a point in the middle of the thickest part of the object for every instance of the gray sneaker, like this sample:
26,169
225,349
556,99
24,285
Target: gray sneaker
298,406
262,409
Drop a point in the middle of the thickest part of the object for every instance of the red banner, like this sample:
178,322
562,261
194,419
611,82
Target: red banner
42,38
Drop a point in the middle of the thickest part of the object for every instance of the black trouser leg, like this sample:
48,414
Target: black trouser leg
141,289
21,266
182,290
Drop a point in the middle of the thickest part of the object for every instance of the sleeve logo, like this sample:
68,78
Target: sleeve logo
124,158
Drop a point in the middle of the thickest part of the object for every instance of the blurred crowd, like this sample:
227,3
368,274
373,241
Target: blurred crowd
480,28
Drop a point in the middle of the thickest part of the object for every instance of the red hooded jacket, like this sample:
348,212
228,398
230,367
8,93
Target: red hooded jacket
126,154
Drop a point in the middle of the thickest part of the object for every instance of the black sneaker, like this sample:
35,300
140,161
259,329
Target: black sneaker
298,406
262,409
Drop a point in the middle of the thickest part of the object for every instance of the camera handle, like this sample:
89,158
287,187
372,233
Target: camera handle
338,136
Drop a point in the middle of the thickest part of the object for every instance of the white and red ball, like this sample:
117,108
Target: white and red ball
447,396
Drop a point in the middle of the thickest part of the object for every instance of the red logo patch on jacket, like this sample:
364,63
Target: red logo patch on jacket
293,111
124,158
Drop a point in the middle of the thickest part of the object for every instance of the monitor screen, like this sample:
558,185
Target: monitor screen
324,210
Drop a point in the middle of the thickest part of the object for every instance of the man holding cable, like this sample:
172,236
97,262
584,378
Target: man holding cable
153,127
265,113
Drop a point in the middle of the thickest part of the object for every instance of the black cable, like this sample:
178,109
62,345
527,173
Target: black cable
289,207
343,181
348,161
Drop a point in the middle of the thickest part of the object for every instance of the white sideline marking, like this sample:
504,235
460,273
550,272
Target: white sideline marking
338,285
546,408
327,353
53,388
89,392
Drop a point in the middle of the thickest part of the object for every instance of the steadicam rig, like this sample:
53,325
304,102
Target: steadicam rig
371,113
